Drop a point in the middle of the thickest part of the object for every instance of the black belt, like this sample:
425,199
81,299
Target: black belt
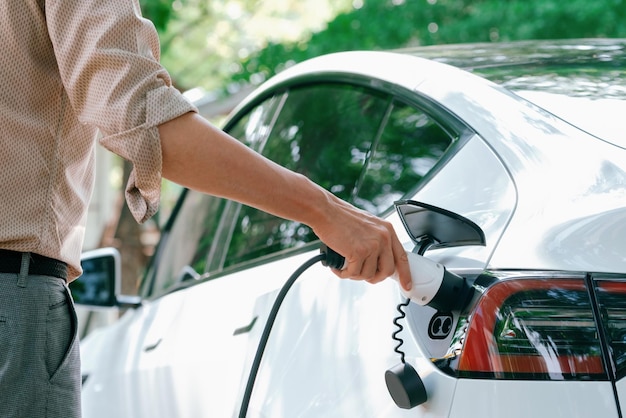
11,262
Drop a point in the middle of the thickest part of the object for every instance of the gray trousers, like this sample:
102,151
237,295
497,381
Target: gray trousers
39,354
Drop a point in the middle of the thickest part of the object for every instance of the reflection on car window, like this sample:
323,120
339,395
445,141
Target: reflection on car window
354,141
325,132
254,127
410,145
189,241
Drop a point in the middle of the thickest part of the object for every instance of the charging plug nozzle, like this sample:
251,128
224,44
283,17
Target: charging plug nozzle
434,285
332,258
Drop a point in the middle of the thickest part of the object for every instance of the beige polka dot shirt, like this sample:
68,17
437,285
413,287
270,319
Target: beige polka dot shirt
68,69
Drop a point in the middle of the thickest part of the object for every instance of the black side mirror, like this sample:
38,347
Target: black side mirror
99,285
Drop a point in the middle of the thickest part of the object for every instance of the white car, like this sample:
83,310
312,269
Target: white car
502,165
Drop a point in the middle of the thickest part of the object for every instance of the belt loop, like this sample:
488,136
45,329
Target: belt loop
21,281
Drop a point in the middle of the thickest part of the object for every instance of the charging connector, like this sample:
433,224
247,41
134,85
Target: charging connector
332,258
432,284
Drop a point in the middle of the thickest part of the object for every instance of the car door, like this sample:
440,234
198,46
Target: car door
220,264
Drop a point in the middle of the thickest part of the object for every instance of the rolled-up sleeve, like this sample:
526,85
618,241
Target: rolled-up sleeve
108,58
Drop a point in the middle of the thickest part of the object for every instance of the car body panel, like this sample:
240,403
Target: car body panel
574,170
620,387
489,200
163,348
522,399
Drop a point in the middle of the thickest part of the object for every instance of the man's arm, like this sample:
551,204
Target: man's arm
201,157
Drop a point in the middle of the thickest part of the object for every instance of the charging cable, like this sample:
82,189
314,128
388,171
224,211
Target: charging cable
329,258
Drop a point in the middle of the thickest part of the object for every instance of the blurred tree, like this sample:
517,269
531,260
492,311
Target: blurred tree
205,41
387,24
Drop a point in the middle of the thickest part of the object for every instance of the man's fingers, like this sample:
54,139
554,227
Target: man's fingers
402,266
386,264
378,255
369,268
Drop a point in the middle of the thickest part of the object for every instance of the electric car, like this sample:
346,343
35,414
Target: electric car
502,166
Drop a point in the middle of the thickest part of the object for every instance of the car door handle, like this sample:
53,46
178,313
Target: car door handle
247,328
152,346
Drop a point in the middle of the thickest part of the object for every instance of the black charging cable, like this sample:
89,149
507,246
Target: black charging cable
329,258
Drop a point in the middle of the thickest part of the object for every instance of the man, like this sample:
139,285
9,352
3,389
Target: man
73,67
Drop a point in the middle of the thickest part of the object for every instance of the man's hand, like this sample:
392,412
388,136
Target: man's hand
369,244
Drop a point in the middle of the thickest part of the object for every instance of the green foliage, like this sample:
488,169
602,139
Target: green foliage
388,24
158,11
204,41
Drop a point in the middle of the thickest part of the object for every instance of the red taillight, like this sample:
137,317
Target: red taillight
533,328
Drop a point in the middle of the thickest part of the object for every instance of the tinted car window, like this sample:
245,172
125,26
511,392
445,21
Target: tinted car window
351,140
325,132
183,250
410,145
254,127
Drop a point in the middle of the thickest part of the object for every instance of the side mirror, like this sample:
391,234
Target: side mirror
99,285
